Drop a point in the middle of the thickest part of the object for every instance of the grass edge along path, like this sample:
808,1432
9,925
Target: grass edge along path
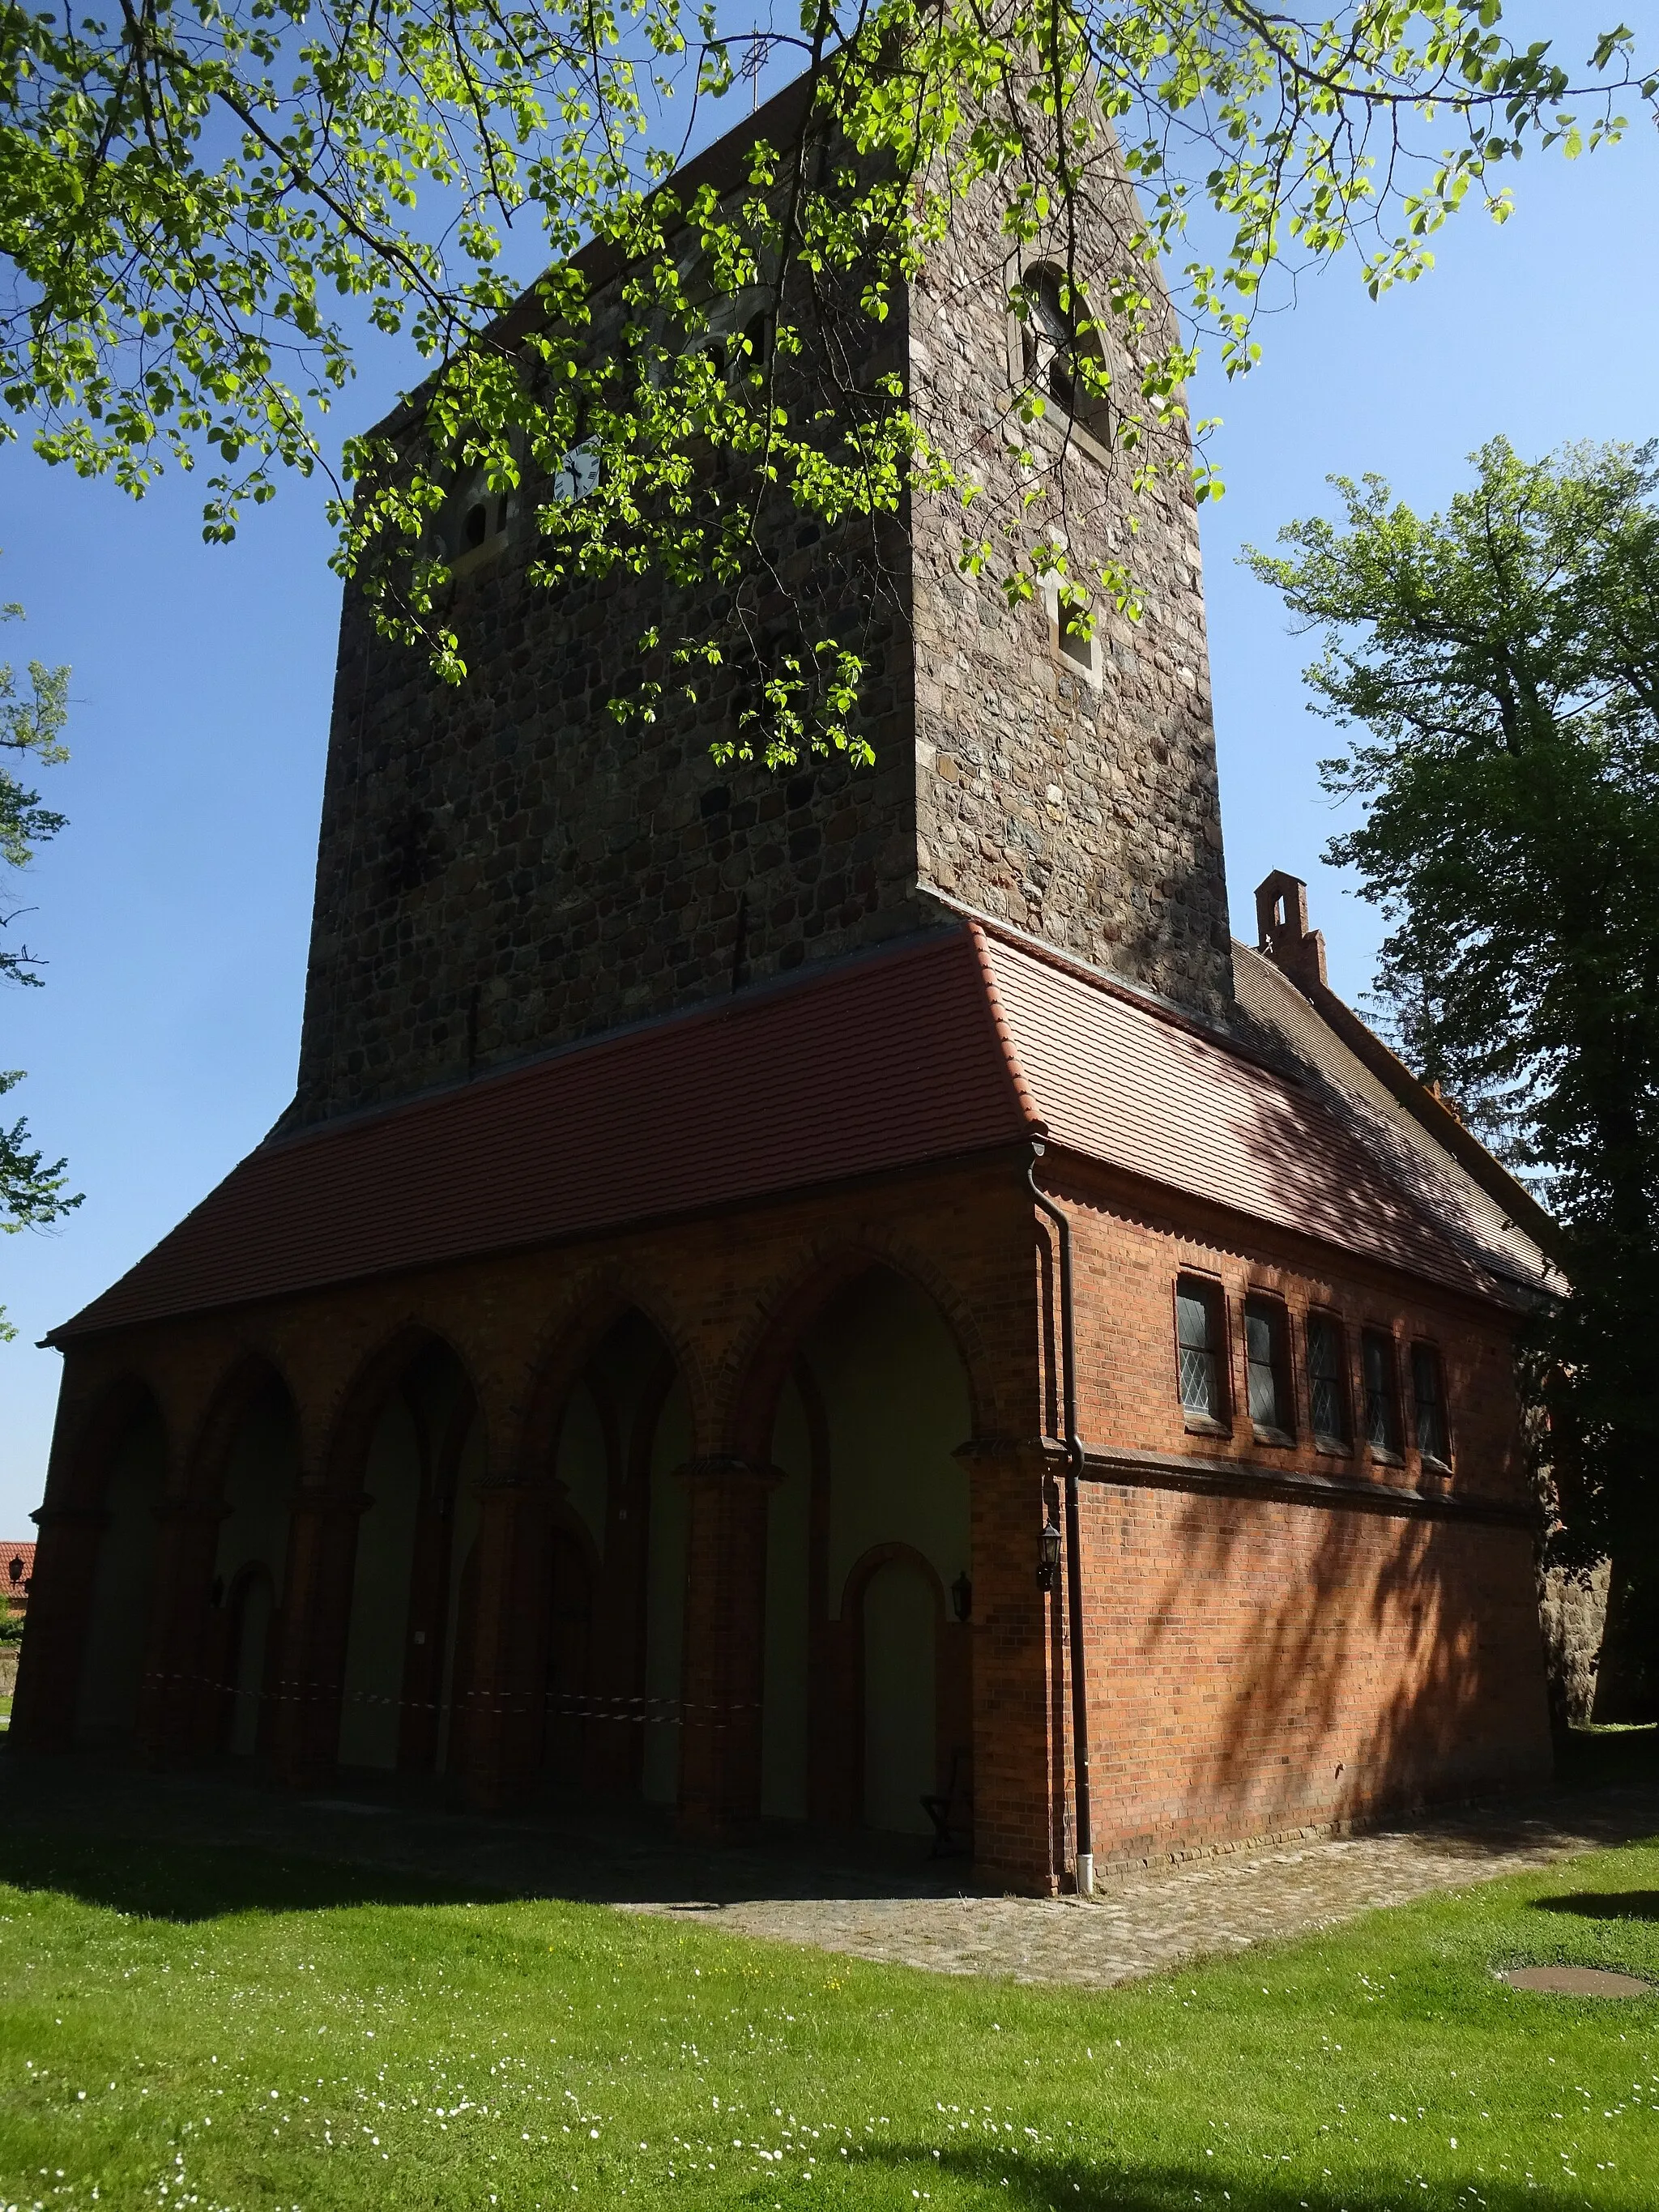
218,2029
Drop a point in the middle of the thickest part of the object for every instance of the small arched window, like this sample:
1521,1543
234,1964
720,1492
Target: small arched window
1057,337
474,520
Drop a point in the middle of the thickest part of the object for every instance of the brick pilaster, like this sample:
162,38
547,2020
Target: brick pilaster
60,1606
315,1625
723,1672
495,1732
1019,1811
178,1706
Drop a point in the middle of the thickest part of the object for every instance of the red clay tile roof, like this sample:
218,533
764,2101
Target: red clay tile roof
1118,1082
16,1567
942,1047
885,1062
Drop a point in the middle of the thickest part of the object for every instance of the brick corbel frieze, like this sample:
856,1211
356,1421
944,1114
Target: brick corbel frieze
722,1672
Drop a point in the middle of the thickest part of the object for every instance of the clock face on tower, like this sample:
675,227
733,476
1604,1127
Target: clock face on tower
576,474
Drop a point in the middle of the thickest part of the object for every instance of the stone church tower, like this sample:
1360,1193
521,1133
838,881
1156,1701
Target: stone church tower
504,868
820,1297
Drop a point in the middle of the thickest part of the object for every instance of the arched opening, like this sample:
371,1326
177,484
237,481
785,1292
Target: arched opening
246,1721
261,1473
613,1583
567,1676
868,1686
417,1523
118,1627
900,1624
1058,336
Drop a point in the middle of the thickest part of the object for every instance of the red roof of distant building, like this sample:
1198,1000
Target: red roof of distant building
940,1048
16,1570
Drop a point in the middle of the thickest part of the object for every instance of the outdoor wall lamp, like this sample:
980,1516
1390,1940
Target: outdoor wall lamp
962,1595
1048,1557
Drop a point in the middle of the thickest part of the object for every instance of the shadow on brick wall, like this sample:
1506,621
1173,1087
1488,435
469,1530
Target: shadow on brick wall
1367,1669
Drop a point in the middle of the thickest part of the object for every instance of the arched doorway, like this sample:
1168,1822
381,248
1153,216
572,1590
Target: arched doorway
868,1685
415,1531
899,1657
261,1473
613,1585
567,1676
118,1626
246,1722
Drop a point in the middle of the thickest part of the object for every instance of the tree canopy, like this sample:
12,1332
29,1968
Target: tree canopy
1502,661
208,208
33,1193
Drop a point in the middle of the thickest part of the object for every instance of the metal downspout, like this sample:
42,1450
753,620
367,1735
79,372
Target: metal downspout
1085,1852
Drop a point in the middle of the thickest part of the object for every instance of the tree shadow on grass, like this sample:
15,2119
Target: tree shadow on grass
1604,1905
1025,2183
189,1882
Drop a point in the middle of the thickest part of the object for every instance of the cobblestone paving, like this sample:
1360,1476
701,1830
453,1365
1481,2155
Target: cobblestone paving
869,1897
1145,1922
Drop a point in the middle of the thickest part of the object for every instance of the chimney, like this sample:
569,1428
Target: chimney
1282,930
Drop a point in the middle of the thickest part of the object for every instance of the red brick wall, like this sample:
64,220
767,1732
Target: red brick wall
1127,1260
1255,1663
1259,1667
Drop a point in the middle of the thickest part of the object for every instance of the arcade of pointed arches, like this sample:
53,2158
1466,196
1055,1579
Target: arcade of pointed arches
346,1624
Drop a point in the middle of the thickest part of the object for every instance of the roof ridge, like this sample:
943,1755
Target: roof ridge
1023,1093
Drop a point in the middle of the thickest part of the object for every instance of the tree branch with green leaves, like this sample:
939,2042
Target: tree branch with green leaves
33,1195
1502,662
209,208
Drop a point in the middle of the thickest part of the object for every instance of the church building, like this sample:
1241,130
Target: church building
840,1297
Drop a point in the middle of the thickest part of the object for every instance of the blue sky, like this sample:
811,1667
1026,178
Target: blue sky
174,909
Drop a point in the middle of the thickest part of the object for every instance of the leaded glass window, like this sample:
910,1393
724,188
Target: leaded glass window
1197,1348
1381,1396
1266,1365
1327,1393
1429,1399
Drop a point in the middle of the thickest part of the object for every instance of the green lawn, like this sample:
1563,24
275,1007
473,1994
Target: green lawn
214,2029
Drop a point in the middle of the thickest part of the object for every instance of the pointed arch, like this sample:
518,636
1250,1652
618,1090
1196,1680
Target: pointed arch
597,1303
379,1618
757,1369
617,1403
363,1398
86,1461
230,1565
253,1375
859,1393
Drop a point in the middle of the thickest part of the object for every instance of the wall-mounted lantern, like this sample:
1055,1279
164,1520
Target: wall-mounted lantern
1048,1557
962,1595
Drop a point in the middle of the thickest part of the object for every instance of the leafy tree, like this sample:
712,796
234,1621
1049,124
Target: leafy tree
32,720
205,206
1503,660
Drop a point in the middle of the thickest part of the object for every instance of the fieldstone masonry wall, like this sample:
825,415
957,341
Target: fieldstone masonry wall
506,867
1081,805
